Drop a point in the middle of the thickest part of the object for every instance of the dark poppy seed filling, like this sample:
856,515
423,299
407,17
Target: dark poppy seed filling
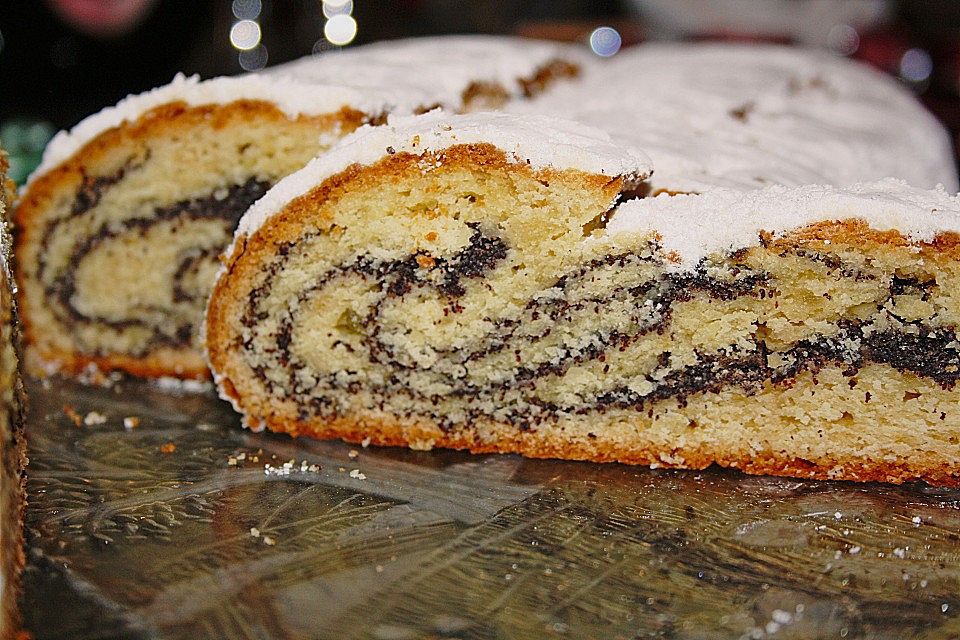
180,242
589,332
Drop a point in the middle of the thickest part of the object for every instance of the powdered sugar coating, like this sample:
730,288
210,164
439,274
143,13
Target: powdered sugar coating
422,73
537,140
749,116
723,220
293,97
398,76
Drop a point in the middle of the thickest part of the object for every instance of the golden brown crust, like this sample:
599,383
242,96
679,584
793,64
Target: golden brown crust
484,95
944,247
187,364
165,120
548,73
537,444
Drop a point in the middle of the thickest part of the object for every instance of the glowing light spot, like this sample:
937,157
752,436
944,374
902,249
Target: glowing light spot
247,9
337,8
605,41
245,35
916,65
340,30
253,59
844,39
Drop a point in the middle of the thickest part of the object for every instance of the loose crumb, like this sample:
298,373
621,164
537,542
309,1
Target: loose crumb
92,375
254,532
356,474
168,447
177,385
365,442
781,617
353,454
94,418
267,540
131,422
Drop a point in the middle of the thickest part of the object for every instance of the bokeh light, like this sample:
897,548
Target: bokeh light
253,59
844,39
916,65
605,41
245,35
247,9
337,7
340,30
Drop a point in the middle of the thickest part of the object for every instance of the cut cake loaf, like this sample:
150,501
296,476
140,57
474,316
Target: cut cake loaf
463,282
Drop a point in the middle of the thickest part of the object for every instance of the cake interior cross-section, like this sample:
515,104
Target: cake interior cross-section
490,310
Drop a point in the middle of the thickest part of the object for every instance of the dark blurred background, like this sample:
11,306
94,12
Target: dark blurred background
61,60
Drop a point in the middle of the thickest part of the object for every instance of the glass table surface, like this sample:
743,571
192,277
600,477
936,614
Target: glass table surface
180,524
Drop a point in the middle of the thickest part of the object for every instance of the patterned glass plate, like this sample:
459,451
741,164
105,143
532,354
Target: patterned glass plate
183,525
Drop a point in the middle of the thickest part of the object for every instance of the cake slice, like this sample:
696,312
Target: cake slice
462,282
120,227
118,231
12,445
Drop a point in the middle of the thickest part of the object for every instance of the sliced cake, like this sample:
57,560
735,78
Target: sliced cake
118,231
12,445
120,228
461,282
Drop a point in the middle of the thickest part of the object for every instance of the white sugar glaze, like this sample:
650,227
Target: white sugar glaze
421,73
722,220
748,116
398,77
